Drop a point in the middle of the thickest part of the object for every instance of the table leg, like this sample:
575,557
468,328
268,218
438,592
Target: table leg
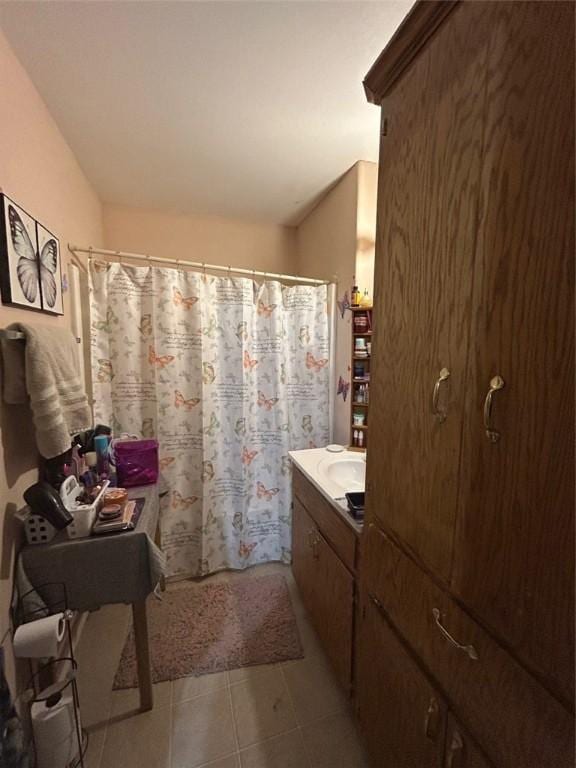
142,654
158,542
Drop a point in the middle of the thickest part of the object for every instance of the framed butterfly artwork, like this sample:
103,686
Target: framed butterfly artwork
30,272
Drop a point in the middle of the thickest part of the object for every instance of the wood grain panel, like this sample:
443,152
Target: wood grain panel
401,715
340,535
517,722
461,751
333,617
302,561
327,590
514,556
427,216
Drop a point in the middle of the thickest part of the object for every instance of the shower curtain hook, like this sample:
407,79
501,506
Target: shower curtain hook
204,270
229,268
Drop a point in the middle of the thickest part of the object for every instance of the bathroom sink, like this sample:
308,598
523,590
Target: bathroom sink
347,473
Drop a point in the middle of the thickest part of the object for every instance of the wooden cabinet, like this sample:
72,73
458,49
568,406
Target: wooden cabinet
514,546
402,717
429,175
461,751
326,584
473,489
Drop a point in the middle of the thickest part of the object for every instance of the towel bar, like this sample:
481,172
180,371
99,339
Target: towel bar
19,336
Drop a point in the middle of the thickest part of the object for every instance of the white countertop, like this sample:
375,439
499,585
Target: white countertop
333,474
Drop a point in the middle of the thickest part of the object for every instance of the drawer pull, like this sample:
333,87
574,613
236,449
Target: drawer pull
468,649
431,720
456,755
440,415
496,384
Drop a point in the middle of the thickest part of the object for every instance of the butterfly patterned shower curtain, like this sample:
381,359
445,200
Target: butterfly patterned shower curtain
229,376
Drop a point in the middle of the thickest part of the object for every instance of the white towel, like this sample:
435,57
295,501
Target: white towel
45,367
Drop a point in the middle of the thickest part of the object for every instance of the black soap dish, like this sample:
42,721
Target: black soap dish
356,505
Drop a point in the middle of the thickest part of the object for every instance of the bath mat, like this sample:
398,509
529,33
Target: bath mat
199,629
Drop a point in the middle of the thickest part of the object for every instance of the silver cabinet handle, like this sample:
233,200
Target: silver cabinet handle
440,415
431,720
468,649
455,750
496,383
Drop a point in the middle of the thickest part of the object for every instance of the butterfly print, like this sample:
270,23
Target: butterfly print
286,465
307,424
208,373
106,325
240,427
248,456
181,301
209,330
242,331
212,426
343,304
245,550
181,402
207,471
265,493
181,502
267,403
147,428
237,521
161,361
166,461
343,388
312,444
34,272
314,364
145,326
249,363
265,310
105,370
282,373
304,335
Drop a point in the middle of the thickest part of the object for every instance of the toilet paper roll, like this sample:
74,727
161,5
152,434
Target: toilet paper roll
54,730
39,639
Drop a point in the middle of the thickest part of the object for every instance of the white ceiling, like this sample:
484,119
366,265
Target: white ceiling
248,109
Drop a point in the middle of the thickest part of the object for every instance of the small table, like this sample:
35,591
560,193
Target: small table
113,568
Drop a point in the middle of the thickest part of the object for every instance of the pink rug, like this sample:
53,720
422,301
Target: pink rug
200,629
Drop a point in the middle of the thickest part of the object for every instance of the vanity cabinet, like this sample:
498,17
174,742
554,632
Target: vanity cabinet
323,548
469,547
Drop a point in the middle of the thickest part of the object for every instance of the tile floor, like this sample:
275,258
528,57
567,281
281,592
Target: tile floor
289,715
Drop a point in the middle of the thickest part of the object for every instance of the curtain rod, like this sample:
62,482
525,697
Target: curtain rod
75,249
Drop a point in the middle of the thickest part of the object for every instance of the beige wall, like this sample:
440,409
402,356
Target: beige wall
38,170
366,225
210,239
336,241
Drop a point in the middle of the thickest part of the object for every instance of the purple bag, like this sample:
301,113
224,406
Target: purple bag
136,462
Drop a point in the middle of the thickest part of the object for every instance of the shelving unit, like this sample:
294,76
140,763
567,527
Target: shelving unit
361,338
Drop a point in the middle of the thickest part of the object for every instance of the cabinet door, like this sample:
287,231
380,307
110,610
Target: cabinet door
327,589
461,752
427,216
303,532
514,550
402,716
334,609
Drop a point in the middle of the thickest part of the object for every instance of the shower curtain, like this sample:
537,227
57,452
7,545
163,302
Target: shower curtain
229,376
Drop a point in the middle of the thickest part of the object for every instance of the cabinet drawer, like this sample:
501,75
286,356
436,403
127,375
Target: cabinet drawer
333,528
517,722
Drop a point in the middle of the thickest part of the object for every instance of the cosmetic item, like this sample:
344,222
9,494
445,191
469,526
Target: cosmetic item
358,419
355,297
355,437
369,347
116,496
40,639
365,301
361,324
101,446
136,462
360,439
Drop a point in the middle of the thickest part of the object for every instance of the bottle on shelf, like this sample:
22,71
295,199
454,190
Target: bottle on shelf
355,298
360,439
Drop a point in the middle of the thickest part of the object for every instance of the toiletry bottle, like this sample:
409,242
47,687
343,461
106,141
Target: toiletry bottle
355,298
360,438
